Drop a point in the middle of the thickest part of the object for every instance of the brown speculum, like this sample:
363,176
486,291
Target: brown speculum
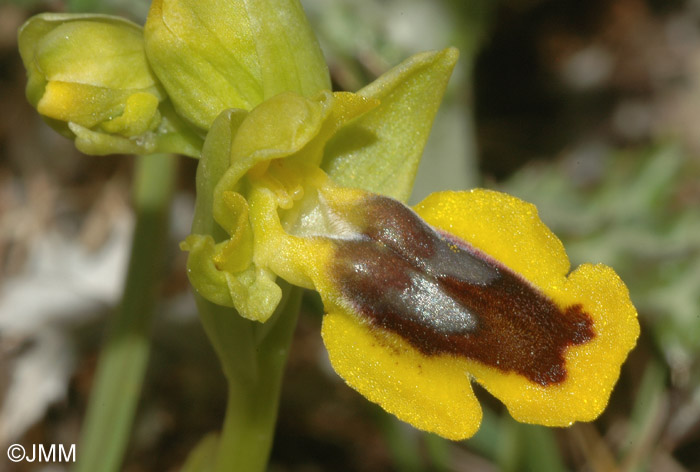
444,297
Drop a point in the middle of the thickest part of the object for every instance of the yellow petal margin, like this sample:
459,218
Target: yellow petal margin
433,392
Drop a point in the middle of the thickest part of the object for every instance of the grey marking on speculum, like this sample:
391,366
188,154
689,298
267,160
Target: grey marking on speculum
399,264
431,306
460,264
392,290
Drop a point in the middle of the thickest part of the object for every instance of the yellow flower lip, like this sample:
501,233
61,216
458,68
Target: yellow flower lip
410,331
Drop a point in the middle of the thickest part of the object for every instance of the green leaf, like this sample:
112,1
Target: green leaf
380,151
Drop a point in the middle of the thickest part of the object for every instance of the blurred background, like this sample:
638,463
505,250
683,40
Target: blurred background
590,110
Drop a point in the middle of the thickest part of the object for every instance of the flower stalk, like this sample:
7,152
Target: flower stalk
253,357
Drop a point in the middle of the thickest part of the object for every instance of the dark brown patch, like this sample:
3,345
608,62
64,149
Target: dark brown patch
446,299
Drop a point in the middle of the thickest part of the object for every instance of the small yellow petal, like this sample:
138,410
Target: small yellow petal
86,105
140,115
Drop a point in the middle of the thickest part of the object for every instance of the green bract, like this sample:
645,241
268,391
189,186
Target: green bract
219,54
89,77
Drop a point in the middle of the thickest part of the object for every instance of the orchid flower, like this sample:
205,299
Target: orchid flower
300,183
419,302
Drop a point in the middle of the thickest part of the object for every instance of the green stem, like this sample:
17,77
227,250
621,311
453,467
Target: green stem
253,356
122,363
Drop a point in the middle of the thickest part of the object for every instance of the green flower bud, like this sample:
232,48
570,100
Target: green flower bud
89,78
211,55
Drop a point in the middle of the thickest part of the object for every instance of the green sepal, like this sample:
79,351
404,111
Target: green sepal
212,55
380,151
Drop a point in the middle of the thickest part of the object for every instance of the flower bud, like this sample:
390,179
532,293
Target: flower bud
89,78
211,55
